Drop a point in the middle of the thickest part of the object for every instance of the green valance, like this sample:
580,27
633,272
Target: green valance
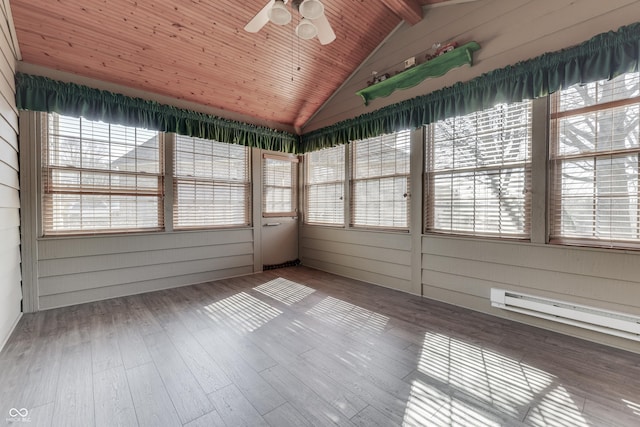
604,56
38,93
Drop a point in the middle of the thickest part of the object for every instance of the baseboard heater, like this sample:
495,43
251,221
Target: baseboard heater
605,321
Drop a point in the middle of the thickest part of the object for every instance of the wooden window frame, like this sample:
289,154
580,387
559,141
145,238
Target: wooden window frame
294,186
354,181
50,189
179,179
336,182
557,160
431,174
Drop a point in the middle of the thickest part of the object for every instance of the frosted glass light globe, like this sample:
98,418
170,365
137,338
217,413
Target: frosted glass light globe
311,9
306,30
279,14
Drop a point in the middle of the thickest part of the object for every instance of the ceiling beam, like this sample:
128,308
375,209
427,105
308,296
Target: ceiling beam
409,10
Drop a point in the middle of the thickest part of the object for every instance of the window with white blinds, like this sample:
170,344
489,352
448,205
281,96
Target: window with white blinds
594,156
324,186
211,185
478,169
99,177
380,181
279,186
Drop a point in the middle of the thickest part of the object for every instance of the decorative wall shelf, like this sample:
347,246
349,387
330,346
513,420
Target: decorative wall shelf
436,67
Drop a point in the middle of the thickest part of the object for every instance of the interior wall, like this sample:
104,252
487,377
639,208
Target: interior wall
73,270
66,270
10,279
386,258
508,31
461,271
382,258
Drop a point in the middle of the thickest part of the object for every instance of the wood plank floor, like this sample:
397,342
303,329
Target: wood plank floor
300,347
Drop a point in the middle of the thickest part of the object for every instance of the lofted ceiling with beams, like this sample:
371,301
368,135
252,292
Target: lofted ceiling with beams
198,51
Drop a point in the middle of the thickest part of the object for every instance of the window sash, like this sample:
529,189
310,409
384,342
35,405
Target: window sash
279,186
324,187
380,182
478,173
390,206
494,210
211,184
594,163
100,178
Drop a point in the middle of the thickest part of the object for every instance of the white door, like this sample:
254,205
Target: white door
279,209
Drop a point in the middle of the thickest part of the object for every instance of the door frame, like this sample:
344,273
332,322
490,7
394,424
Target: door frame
257,215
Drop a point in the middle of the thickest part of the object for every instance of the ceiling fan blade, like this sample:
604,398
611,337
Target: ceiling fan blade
260,20
325,32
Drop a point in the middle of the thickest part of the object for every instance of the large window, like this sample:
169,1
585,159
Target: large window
594,162
279,186
478,170
324,186
99,177
211,184
380,181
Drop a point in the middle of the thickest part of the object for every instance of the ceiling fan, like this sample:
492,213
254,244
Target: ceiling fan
313,23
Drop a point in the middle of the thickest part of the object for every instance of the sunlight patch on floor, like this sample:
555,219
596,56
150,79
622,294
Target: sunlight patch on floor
284,290
556,408
495,380
428,406
341,313
242,312
635,407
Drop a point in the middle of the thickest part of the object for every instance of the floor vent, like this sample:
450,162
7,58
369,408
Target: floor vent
605,321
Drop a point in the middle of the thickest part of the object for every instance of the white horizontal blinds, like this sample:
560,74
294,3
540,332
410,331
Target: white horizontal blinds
324,186
380,181
211,185
99,177
279,186
594,162
478,169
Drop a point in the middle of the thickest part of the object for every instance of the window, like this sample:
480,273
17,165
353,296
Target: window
324,187
478,170
594,158
380,181
279,185
99,177
211,186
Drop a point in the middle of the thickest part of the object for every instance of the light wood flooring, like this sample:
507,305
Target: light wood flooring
300,347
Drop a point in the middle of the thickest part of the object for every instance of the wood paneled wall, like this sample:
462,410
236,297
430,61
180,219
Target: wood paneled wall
10,279
79,269
383,258
462,271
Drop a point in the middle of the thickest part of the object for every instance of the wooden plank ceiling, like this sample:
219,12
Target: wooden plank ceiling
197,50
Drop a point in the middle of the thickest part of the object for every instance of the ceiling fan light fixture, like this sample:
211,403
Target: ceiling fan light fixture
279,14
306,30
311,9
